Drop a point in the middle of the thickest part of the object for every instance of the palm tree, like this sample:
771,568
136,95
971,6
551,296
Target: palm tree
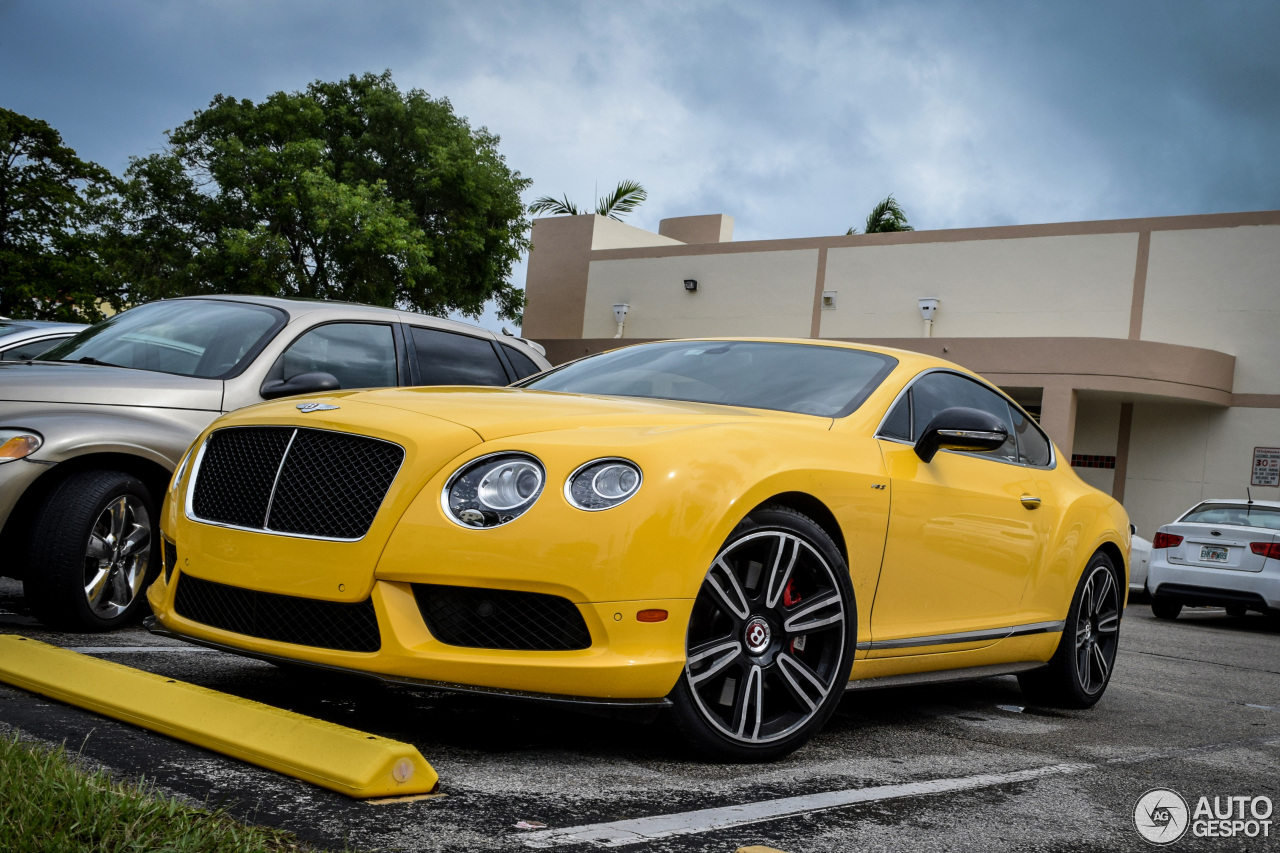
625,198
885,216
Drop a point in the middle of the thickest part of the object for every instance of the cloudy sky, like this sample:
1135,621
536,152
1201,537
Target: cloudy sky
794,117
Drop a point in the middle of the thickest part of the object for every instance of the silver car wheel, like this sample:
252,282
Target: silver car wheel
117,556
1097,630
766,637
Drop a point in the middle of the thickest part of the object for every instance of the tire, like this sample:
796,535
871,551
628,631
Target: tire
1237,610
1080,669
770,641
1164,607
91,552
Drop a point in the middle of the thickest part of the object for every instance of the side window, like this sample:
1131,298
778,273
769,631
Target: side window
360,355
1033,446
524,365
446,358
938,391
898,424
28,351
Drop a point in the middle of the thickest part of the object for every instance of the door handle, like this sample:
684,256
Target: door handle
1030,502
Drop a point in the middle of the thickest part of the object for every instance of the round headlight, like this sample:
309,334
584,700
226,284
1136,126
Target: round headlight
603,483
493,490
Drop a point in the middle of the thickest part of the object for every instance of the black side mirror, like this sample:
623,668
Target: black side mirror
303,383
961,428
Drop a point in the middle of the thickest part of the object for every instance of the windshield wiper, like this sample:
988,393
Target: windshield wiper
88,359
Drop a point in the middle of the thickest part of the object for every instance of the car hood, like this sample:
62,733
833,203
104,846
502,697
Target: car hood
99,385
495,413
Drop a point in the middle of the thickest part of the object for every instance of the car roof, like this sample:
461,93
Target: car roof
307,307
1235,502
911,361
44,325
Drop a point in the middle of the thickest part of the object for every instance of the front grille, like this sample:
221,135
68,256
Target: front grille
501,619
307,482
284,618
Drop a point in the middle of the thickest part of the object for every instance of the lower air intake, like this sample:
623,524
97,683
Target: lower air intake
283,618
501,619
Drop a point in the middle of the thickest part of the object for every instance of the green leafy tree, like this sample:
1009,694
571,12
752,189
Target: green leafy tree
51,203
624,199
885,216
350,190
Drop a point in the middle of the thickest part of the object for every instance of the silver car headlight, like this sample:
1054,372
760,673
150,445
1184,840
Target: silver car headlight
603,483
18,444
493,490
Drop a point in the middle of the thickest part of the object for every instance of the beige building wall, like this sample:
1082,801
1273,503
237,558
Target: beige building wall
1153,341
1063,286
1180,455
760,293
1097,434
1219,288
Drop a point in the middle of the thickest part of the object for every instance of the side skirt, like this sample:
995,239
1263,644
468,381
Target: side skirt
943,676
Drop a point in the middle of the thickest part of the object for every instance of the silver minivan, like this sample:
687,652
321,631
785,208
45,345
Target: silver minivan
91,431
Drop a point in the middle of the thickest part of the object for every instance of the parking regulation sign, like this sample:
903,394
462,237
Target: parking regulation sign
1266,466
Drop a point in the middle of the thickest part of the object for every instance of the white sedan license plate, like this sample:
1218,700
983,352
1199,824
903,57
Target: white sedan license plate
1213,554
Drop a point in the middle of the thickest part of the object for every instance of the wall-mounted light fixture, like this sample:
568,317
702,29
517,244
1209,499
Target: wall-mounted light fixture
828,300
620,314
928,307
691,284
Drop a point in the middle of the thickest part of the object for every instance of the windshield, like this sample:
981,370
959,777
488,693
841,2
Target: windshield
1238,515
810,380
190,337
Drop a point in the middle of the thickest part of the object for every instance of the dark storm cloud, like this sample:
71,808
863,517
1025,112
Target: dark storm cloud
795,118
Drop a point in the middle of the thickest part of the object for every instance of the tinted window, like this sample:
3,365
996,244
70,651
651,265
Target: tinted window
524,365
192,337
1241,515
29,350
937,391
445,358
360,355
1033,447
803,378
898,424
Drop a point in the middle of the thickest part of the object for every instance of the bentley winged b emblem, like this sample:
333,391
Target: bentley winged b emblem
315,407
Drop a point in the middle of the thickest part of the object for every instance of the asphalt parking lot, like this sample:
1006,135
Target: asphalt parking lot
1194,706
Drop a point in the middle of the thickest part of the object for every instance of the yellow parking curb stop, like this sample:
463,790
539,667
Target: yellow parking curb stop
345,760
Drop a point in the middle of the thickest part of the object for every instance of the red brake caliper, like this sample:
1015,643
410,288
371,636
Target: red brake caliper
791,598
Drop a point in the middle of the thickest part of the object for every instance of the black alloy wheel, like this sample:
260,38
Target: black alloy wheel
1081,668
770,640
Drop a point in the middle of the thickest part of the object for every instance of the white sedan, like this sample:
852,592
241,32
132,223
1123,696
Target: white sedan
1139,560
1223,553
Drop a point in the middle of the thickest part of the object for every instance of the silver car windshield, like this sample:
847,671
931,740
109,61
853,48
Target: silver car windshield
189,337
1237,515
811,380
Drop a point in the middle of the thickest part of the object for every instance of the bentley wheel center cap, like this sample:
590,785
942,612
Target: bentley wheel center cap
757,635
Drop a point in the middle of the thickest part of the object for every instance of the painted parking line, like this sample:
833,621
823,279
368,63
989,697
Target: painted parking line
120,650
623,832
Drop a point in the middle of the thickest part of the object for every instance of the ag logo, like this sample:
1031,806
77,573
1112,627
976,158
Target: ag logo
315,407
1161,816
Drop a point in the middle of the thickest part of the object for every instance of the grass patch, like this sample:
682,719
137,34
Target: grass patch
48,803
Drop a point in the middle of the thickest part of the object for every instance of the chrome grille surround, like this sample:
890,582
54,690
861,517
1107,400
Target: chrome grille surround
332,483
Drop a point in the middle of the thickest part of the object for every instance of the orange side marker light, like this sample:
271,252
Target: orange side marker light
651,616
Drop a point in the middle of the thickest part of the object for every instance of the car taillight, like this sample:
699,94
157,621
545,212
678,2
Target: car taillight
1166,540
1271,550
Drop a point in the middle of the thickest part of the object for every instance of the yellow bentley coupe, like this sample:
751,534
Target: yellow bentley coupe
738,531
